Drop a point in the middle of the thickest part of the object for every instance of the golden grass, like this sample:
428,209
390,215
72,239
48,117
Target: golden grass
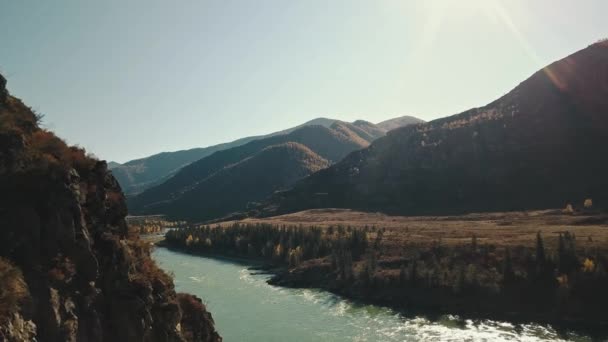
499,229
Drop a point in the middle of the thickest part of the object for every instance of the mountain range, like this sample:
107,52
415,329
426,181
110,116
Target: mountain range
138,175
193,192
542,145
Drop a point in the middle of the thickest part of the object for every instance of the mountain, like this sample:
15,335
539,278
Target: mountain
138,175
113,165
542,145
233,188
395,123
330,144
69,269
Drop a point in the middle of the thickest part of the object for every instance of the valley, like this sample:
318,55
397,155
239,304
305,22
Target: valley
237,179
262,183
472,265
246,308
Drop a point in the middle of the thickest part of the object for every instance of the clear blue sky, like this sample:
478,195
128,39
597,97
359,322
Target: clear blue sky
126,79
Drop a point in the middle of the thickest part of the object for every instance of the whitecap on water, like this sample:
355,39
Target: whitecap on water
423,330
310,296
197,279
340,308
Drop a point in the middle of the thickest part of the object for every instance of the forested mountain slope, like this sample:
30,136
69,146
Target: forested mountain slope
541,145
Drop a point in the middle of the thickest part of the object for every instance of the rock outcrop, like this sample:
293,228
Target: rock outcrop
67,250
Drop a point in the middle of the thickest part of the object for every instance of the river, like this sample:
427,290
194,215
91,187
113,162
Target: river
246,308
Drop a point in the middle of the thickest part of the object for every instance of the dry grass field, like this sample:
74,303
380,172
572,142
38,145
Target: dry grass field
499,229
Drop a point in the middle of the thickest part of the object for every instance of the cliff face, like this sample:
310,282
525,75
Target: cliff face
68,269
540,146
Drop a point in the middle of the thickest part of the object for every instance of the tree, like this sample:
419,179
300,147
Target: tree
588,265
414,273
508,275
474,243
540,249
189,240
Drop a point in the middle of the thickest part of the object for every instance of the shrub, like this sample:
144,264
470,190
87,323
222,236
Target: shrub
588,265
194,314
146,274
13,289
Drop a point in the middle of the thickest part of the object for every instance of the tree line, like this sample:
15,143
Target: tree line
563,281
283,244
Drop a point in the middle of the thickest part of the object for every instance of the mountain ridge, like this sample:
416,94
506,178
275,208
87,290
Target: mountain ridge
139,174
391,124
532,148
233,187
330,144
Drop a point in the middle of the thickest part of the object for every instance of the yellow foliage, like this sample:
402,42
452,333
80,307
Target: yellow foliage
588,203
588,265
278,251
563,280
189,240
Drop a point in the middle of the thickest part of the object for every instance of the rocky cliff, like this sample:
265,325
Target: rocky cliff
69,271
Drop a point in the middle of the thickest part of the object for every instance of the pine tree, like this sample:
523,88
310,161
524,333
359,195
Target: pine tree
508,275
540,249
414,273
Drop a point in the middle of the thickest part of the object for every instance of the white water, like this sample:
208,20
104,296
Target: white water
246,308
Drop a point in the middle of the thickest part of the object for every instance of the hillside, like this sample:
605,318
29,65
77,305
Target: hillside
234,187
329,144
137,175
402,121
112,165
69,269
539,146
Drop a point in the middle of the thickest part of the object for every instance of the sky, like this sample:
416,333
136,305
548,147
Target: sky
127,79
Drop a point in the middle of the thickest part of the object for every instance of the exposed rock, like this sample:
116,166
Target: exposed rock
62,217
17,329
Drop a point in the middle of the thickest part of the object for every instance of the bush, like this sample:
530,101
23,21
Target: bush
13,289
194,318
146,273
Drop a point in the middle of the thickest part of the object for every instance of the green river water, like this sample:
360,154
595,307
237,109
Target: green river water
246,308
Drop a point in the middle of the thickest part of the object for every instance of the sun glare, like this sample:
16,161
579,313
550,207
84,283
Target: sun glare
494,10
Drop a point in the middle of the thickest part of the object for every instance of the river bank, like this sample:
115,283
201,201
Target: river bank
428,303
246,308
429,265
433,302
